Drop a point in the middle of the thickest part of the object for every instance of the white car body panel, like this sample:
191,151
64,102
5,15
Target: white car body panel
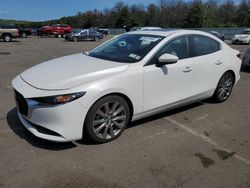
208,72
149,88
167,84
77,69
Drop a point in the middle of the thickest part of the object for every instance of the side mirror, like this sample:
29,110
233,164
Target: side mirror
166,59
86,53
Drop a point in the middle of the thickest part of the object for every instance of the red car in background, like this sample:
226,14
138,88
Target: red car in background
58,30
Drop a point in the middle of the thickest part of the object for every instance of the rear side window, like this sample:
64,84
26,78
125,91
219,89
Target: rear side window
201,45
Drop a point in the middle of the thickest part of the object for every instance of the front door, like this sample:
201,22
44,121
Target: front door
170,83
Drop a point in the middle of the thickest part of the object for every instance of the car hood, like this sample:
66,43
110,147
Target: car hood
70,71
241,35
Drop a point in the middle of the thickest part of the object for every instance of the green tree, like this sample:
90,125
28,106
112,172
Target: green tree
152,15
195,15
226,14
243,14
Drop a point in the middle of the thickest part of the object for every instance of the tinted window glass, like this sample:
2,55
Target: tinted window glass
201,45
128,48
177,47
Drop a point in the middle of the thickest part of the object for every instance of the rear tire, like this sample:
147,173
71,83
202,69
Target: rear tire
75,39
7,37
107,119
224,87
24,35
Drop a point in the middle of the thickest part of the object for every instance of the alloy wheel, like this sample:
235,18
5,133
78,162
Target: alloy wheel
225,86
7,39
109,120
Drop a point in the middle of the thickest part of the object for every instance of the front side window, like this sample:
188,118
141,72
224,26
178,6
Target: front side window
201,45
127,48
177,47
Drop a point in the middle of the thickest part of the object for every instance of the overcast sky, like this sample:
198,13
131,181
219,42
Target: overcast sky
40,10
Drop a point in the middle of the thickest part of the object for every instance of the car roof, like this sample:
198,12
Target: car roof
150,28
167,32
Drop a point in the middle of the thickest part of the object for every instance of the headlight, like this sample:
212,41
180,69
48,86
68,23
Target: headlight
58,99
244,37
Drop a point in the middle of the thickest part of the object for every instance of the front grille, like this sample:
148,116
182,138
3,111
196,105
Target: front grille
22,104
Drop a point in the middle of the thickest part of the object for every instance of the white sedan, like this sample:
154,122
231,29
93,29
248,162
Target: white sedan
134,75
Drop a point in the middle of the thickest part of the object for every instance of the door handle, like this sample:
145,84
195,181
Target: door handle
218,62
187,69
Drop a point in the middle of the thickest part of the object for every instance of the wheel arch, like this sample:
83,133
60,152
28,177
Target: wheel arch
233,73
6,34
125,97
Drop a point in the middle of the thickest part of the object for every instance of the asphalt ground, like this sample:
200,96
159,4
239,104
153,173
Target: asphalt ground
201,145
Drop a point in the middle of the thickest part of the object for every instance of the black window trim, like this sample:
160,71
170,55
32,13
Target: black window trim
189,39
148,63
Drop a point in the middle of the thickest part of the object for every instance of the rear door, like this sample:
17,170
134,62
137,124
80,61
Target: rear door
208,62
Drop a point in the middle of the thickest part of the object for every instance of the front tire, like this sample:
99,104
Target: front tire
75,39
97,39
7,38
107,119
224,87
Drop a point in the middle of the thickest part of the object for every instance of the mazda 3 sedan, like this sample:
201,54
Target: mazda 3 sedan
131,76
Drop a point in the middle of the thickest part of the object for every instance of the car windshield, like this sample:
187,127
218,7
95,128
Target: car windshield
127,48
246,32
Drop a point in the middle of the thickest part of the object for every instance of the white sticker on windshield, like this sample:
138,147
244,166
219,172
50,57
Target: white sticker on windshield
134,56
150,39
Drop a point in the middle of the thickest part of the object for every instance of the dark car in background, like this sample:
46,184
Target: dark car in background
103,31
84,34
8,32
36,31
25,32
217,34
246,58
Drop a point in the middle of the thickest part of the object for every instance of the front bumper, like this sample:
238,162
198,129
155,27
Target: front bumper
60,123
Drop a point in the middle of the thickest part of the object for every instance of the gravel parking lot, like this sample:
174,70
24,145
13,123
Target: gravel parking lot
201,145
